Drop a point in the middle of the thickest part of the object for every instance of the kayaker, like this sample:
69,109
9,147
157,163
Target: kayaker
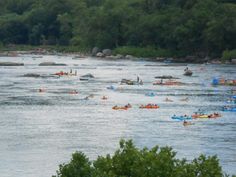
168,100
104,98
185,123
141,82
41,90
184,99
186,69
73,92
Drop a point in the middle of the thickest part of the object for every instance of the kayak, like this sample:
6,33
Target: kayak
111,87
149,107
199,116
181,117
150,94
231,101
214,115
119,108
229,109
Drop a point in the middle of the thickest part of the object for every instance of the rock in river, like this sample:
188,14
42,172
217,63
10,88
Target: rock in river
88,75
51,64
31,75
107,52
11,64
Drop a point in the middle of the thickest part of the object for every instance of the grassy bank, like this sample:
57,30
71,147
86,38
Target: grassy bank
148,52
139,52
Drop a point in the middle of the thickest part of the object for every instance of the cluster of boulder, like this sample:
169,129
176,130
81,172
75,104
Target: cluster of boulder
107,53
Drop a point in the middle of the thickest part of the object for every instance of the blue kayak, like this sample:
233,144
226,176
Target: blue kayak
229,109
231,102
151,94
111,87
181,117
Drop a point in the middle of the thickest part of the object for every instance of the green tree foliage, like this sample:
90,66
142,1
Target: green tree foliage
129,161
229,54
199,27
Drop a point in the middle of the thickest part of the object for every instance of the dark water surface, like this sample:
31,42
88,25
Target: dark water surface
41,130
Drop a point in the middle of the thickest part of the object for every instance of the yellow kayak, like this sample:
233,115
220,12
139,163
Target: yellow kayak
203,116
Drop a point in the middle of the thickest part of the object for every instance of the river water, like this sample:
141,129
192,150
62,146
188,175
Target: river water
39,131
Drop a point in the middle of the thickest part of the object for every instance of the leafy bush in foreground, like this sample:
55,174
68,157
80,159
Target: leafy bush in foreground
129,161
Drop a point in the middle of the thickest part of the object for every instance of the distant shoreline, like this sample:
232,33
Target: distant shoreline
76,52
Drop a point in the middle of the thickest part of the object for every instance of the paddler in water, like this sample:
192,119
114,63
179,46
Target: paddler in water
186,69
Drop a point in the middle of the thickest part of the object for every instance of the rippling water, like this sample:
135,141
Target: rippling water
41,130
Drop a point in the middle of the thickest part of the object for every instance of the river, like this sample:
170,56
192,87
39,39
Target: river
40,130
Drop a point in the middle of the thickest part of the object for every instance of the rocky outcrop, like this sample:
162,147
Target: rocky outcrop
233,61
107,52
95,50
119,56
130,57
51,64
88,75
35,75
31,75
100,54
11,64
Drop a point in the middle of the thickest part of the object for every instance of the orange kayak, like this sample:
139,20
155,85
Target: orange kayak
119,108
